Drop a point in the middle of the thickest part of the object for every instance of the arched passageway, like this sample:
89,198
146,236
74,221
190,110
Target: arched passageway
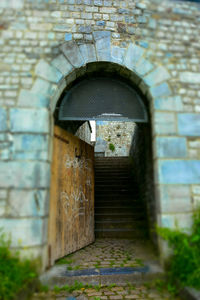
106,93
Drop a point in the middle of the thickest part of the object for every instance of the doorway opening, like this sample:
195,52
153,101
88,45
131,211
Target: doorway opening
104,93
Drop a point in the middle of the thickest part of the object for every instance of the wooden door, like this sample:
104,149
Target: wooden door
71,219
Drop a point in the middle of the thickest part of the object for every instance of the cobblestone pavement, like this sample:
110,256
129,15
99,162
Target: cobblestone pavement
110,253
141,292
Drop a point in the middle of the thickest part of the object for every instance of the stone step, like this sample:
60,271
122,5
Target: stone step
119,233
60,276
124,210
132,224
119,215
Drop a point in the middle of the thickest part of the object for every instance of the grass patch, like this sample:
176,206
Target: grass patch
15,274
183,266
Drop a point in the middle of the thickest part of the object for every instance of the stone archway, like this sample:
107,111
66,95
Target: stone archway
51,78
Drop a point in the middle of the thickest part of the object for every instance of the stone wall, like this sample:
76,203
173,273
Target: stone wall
119,134
45,46
84,132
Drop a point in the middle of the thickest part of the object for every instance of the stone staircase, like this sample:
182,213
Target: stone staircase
118,212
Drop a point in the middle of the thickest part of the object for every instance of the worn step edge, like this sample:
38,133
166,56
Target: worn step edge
57,276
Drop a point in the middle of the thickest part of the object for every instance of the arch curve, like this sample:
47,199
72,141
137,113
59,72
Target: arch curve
76,59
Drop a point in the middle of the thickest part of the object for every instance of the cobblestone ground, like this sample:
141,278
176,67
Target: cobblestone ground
113,293
110,253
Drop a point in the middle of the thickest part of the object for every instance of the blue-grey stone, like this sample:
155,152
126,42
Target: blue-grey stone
100,23
152,24
174,198
143,67
29,120
101,34
169,103
183,221
24,232
130,19
143,44
30,146
123,11
103,45
43,87
28,203
68,36
164,123
88,52
117,54
190,77
17,4
62,64
189,124
71,51
98,2
18,26
29,99
133,54
142,19
171,147
24,174
160,90
156,76
48,72
3,119
179,171
85,29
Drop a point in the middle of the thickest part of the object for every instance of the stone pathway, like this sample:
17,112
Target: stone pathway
142,292
108,253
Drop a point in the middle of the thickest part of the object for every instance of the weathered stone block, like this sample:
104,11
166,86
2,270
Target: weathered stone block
29,120
169,103
103,45
3,119
27,232
158,75
196,189
175,199
23,174
30,203
179,171
117,54
48,72
88,52
171,147
143,67
14,4
30,146
190,77
62,64
160,90
71,51
189,124
181,221
29,99
164,123
133,54
43,87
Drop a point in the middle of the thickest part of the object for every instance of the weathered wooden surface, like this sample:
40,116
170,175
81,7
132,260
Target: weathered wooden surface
71,221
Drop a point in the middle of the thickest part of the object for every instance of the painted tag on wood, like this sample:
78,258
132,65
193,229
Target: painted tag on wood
71,221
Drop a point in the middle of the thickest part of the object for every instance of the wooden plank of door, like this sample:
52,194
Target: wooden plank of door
71,218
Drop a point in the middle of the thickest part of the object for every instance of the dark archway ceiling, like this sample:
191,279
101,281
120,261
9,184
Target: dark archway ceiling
102,98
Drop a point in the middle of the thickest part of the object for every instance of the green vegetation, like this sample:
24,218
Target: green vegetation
70,288
112,147
184,265
15,274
